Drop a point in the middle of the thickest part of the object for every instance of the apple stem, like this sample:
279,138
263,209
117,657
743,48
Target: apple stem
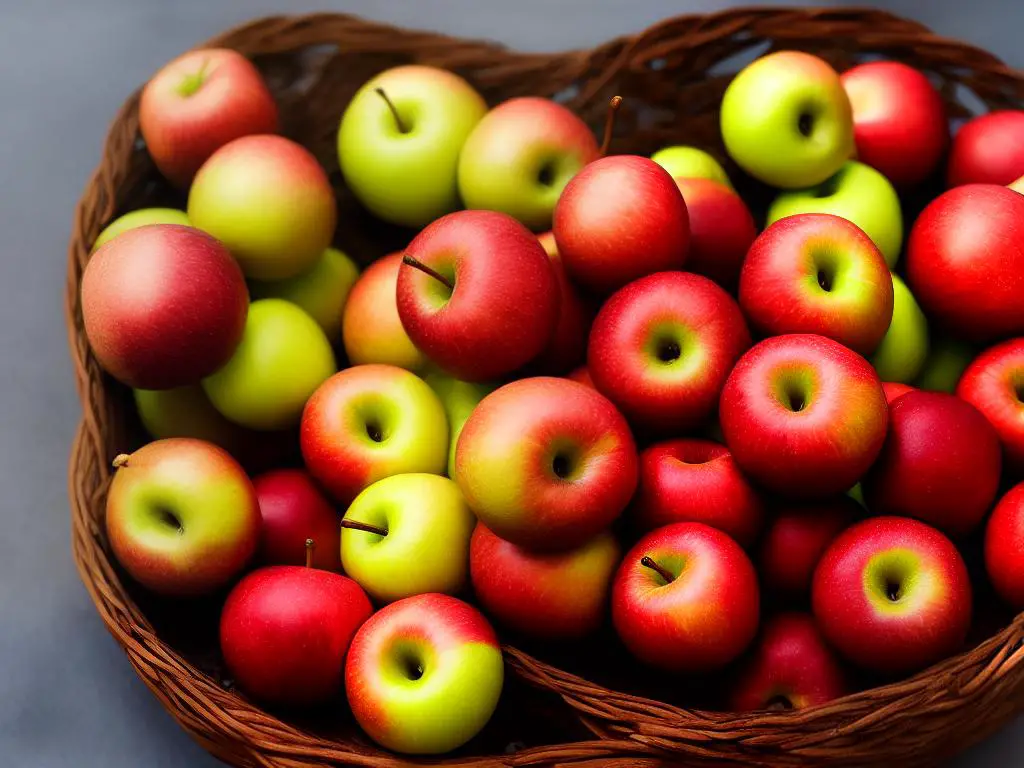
310,547
355,525
120,460
609,123
648,562
402,127
417,264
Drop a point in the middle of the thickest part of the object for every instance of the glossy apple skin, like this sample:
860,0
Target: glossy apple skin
820,448
792,665
721,230
285,631
927,622
604,244
701,620
521,155
294,509
546,463
988,149
795,539
903,351
548,595
894,389
504,307
269,201
781,288
139,218
395,405
958,245
567,346
662,346
696,481
459,398
991,384
182,517
899,121
164,305
1004,547
462,674
198,103
683,162
941,463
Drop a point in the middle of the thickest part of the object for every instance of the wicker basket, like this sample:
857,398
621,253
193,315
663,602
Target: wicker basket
672,76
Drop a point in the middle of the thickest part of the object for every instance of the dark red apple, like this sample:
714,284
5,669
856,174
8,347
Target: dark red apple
293,510
721,230
797,537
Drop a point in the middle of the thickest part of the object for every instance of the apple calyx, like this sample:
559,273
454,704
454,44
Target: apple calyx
121,460
417,264
609,123
310,548
355,525
648,562
402,127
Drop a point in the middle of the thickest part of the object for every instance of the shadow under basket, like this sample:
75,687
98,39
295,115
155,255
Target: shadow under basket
672,77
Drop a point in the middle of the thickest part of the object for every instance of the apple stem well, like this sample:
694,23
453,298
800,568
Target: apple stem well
120,460
402,127
310,548
609,123
355,525
648,562
417,264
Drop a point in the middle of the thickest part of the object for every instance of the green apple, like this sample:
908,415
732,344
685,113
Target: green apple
184,412
947,359
459,398
691,163
282,359
857,494
140,218
904,348
858,193
400,138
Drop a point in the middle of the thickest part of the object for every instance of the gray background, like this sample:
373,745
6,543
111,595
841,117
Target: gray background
67,695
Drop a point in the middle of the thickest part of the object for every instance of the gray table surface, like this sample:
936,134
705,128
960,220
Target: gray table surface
67,695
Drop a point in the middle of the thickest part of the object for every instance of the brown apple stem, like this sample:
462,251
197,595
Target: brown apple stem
647,562
121,460
402,127
355,525
609,123
417,264
310,547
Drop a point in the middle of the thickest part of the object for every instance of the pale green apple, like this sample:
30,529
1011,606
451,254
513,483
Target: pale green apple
140,218
858,193
459,398
691,163
947,359
904,348
184,412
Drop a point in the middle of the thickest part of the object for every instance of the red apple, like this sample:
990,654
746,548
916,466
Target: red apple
797,537
721,230
582,376
940,463
994,384
164,305
989,149
894,389
803,415
662,347
567,346
893,594
620,218
1004,547
488,300
294,510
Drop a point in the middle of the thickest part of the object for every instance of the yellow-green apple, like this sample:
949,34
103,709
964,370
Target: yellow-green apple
370,422
803,415
859,194
947,359
901,355
400,138
416,658
1017,185
182,516
567,346
899,121
269,201
164,305
818,273
198,103
282,358
685,598
941,463
285,631
892,594
185,412
139,218
371,328
994,384
299,523
662,347
696,481
459,398
797,536
959,244
477,294
322,290
786,120
620,218
1004,547
684,162
546,463
408,535
721,230
892,390
521,155
581,375
548,595
988,149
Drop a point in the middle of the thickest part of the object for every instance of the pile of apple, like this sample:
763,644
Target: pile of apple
759,413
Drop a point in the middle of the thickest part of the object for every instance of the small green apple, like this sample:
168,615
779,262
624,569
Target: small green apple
946,362
459,398
140,218
691,163
904,348
184,412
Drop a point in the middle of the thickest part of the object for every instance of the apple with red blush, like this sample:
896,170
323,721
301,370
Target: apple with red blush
994,383
298,521
795,539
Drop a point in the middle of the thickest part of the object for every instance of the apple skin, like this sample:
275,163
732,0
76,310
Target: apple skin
185,412
504,306
796,538
459,398
701,620
857,193
285,631
553,596
345,416
894,389
991,384
462,674
426,548
269,201
198,103
959,242
662,346
696,481
803,415
521,155
294,510
901,355
792,668
899,121
602,240
371,328
546,463
947,359
941,463
581,375
684,162
721,230
1004,547
164,305
139,218
931,615
818,273
182,517
988,149
282,358
787,121
567,346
